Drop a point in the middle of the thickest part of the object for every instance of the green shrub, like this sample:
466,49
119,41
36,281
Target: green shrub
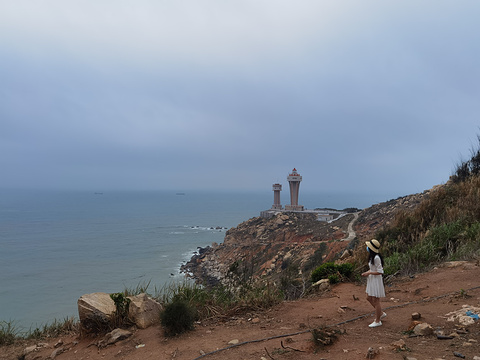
323,271
177,317
346,269
122,304
333,279
330,268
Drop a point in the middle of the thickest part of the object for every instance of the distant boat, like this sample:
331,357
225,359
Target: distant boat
98,193
180,194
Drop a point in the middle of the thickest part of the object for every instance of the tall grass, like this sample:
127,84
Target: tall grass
220,300
445,226
10,333
54,329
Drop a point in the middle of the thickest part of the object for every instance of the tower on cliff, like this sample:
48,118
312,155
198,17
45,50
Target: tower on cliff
276,196
294,180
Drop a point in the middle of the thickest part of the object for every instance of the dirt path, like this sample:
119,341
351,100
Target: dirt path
351,232
283,332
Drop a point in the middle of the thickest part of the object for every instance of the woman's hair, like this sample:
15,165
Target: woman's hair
371,257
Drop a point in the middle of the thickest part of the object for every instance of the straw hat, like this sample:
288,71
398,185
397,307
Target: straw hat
373,245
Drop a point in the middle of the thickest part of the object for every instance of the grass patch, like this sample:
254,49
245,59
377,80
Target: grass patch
54,329
447,242
8,333
220,300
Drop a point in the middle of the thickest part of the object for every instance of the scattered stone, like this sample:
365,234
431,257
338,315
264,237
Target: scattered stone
233,342
444,337
476,358
413,324
255,320
410,358
56,352
30,349
144,311
58,344
113,337
399,345
460,355
202,352
423,329
416,316
371,353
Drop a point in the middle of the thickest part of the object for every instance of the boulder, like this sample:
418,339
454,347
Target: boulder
423,329
95,311
144,311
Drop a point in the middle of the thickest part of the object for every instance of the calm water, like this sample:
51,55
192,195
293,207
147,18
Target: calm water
56,246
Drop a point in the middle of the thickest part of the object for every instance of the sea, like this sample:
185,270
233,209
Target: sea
56,246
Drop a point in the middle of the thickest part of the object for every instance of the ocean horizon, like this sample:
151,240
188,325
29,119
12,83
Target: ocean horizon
59,245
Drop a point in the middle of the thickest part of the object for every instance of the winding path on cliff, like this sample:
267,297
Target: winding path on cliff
351,232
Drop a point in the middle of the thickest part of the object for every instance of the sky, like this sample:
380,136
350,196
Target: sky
366,96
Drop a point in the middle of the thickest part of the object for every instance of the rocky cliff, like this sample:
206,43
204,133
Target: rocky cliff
290,244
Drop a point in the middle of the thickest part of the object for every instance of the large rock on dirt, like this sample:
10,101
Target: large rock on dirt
144,311
95,311
423,329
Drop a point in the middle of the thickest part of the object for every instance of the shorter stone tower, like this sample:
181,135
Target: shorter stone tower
276,196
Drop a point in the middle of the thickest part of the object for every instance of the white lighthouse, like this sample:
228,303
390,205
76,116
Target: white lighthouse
294,180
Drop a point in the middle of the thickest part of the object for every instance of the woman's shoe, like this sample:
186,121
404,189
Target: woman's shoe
375,324
383,315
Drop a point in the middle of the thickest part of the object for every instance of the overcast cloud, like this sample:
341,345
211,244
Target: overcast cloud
359,96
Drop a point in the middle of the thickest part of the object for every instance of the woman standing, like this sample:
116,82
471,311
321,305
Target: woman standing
375,289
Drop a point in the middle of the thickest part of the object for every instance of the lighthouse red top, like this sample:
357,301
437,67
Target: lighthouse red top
294,172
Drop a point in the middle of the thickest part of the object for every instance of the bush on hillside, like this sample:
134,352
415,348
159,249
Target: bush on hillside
177,318
328,269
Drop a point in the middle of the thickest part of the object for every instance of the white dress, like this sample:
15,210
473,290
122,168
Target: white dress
375,282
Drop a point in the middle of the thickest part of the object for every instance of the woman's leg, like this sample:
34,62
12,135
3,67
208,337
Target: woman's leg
375,302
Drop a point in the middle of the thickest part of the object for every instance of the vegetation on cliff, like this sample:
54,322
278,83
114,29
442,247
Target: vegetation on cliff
444,227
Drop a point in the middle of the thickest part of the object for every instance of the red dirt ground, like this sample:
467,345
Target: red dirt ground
282,333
